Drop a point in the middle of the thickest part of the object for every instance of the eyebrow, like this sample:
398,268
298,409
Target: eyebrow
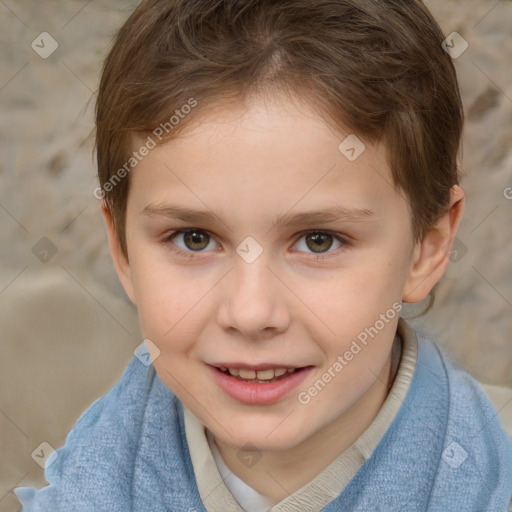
313,217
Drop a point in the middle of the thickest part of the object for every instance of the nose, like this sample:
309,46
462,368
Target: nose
253,301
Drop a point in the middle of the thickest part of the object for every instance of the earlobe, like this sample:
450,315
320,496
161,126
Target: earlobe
121,262
431,256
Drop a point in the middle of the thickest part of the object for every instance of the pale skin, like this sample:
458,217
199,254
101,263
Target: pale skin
247,166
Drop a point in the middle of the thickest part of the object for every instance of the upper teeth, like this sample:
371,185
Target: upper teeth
269,374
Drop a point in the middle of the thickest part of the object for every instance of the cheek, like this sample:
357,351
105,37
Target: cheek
165,298
358,304
356,295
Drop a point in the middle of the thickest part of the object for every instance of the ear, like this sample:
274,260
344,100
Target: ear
121,263
431,255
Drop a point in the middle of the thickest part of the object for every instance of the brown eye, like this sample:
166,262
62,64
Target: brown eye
190,240
319,242
196,240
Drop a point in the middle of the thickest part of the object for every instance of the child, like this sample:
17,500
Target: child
282,375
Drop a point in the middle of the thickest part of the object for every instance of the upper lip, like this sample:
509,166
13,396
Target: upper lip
255,367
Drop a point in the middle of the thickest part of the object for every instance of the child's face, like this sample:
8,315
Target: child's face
288,307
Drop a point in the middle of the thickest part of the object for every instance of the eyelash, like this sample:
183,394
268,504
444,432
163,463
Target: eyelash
168,242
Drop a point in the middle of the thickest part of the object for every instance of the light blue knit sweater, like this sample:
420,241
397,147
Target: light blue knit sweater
445,451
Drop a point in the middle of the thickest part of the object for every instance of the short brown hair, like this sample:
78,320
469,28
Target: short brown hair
375,66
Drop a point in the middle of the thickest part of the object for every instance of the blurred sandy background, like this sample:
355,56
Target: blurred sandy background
53,253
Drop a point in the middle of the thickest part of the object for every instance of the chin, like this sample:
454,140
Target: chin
264,436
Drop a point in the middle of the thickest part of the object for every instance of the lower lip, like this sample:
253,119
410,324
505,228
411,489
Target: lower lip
259,394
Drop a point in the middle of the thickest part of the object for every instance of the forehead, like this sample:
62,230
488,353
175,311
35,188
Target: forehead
268,154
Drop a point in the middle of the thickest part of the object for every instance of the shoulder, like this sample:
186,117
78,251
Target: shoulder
501,399
121,406
470,405
468,399
96,465
477,453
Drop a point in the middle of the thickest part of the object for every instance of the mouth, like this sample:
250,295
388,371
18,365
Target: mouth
265,376
264,384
